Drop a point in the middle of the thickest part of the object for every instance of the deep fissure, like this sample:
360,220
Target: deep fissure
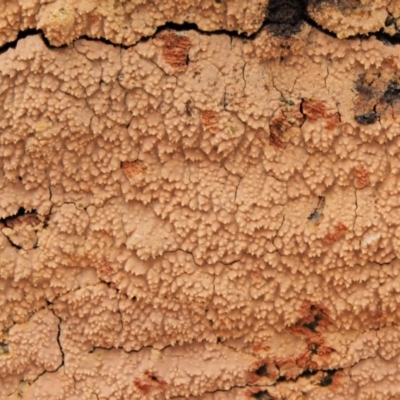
282,19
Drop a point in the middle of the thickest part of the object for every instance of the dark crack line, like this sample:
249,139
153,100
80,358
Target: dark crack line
24,34
94,348
355,210
59,342
268,23
60,347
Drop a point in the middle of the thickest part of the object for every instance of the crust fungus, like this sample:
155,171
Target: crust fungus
199,199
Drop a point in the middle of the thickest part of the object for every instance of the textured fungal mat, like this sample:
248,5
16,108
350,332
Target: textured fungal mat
199,199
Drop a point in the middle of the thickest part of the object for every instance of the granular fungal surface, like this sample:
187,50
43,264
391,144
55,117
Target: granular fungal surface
199,200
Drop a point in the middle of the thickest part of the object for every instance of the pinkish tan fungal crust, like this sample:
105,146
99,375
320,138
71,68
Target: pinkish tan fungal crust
199,200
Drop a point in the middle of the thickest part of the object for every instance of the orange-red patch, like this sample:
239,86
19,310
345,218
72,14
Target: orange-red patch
143,386
314,320
104,268
339,231
94,18
261,347
315,110
209,118
361,176
133,168
175,50
332,121
313,316
149,381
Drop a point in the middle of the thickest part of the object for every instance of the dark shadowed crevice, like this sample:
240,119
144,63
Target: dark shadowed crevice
13,244
283,18
21,211
59,343
24,34
10,220
262,395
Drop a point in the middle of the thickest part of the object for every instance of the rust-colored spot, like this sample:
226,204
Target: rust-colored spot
291,368
94,18
209,118
361,176
277,127
175,50
324,351
133,168
315,110
332,121
339,231
151,376
104,268
305,362
312,323
144,387
281,126
260,347
149,380
214,129
314,317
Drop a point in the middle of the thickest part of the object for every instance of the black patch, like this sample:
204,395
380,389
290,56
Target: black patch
327,379
261,371
314,216
313,348
4,348
390,20
317,215
308,374
189,108
284,17
392,92
312,326
286,11
262,395
388,39
367,118
284,30
365,90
